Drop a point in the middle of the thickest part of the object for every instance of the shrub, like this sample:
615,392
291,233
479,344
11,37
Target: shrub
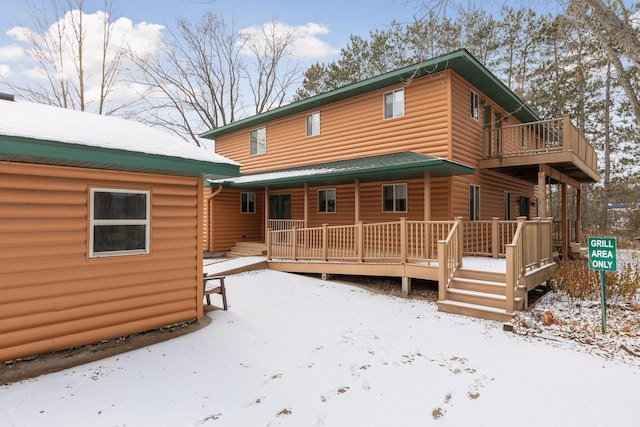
578,282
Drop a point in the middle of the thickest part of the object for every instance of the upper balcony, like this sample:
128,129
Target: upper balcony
519,150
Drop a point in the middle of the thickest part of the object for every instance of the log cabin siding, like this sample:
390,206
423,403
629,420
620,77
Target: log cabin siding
352,127
345,206
467,148
53,296
230,225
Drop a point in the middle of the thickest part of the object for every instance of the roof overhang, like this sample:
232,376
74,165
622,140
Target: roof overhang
460,61
404,165
28,150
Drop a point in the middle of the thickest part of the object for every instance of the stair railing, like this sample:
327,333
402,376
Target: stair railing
449,258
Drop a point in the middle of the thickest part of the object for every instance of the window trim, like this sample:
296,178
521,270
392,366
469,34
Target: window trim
264,145
327,199
395,199
314,114
394,115
474,202
98,222
247,204
474,105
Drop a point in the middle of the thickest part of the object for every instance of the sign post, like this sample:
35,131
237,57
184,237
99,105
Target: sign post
603,257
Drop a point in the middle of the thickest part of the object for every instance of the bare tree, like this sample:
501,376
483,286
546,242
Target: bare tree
58,45
273,72
196,81
193,82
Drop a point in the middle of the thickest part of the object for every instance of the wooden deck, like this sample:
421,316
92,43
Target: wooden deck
483,268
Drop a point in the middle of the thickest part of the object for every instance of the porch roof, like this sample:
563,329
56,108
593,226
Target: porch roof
403,165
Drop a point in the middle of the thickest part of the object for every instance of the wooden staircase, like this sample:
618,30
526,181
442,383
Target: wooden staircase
480,294
242,249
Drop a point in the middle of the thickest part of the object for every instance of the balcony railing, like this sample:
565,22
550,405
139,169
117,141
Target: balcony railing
547,136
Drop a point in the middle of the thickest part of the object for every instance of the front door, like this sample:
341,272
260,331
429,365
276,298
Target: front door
280,206
524,206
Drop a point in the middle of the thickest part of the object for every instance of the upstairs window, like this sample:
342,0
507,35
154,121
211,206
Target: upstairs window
119,222
313,124
394,104
248,203
394,198
327,200
474,202
258,141
474,105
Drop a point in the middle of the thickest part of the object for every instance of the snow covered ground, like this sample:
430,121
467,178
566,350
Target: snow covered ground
297,351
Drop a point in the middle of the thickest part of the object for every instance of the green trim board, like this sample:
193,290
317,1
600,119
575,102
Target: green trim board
403,165
29,150
460,61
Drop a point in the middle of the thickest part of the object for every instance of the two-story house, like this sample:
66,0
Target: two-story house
402,175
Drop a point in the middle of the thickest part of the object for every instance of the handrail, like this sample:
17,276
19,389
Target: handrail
515,268
449,258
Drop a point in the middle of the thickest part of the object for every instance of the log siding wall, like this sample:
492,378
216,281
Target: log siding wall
53,296
436,123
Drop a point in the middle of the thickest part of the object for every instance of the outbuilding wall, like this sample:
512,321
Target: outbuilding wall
53,296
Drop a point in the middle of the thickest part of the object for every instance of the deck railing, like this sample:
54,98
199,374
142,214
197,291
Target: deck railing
530,249
487,238
284,224
545,136
449,258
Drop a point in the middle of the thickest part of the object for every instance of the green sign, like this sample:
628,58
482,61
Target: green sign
602,253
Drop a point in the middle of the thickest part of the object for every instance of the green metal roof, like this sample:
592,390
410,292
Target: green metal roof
460,61
403,165
29,150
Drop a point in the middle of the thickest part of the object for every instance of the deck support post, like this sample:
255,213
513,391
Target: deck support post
356,185
360,241
294,243
538,243
579,214
460,242
542,194
306,205
267,240
403,240
495,232
406,285
325,249
564,224
442,270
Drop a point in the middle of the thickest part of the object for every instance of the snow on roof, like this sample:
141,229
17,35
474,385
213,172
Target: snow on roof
44,122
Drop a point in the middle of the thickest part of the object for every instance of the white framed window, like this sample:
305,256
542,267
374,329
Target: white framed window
474,105
394,104
258,141
119,222
327,200
248,203
313,124
394,198
506,200
474,202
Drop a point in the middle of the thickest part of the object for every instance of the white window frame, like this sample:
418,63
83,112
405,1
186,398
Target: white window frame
327,192
93,222
396,198
397,104
474,202
260,145
245,205
313,124
474,105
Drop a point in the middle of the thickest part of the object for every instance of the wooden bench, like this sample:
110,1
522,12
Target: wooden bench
214,288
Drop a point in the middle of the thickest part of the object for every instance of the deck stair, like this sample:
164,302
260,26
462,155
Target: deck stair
479,294
242,249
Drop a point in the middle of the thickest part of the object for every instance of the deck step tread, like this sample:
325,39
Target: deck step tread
474,310
477,294
480,282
